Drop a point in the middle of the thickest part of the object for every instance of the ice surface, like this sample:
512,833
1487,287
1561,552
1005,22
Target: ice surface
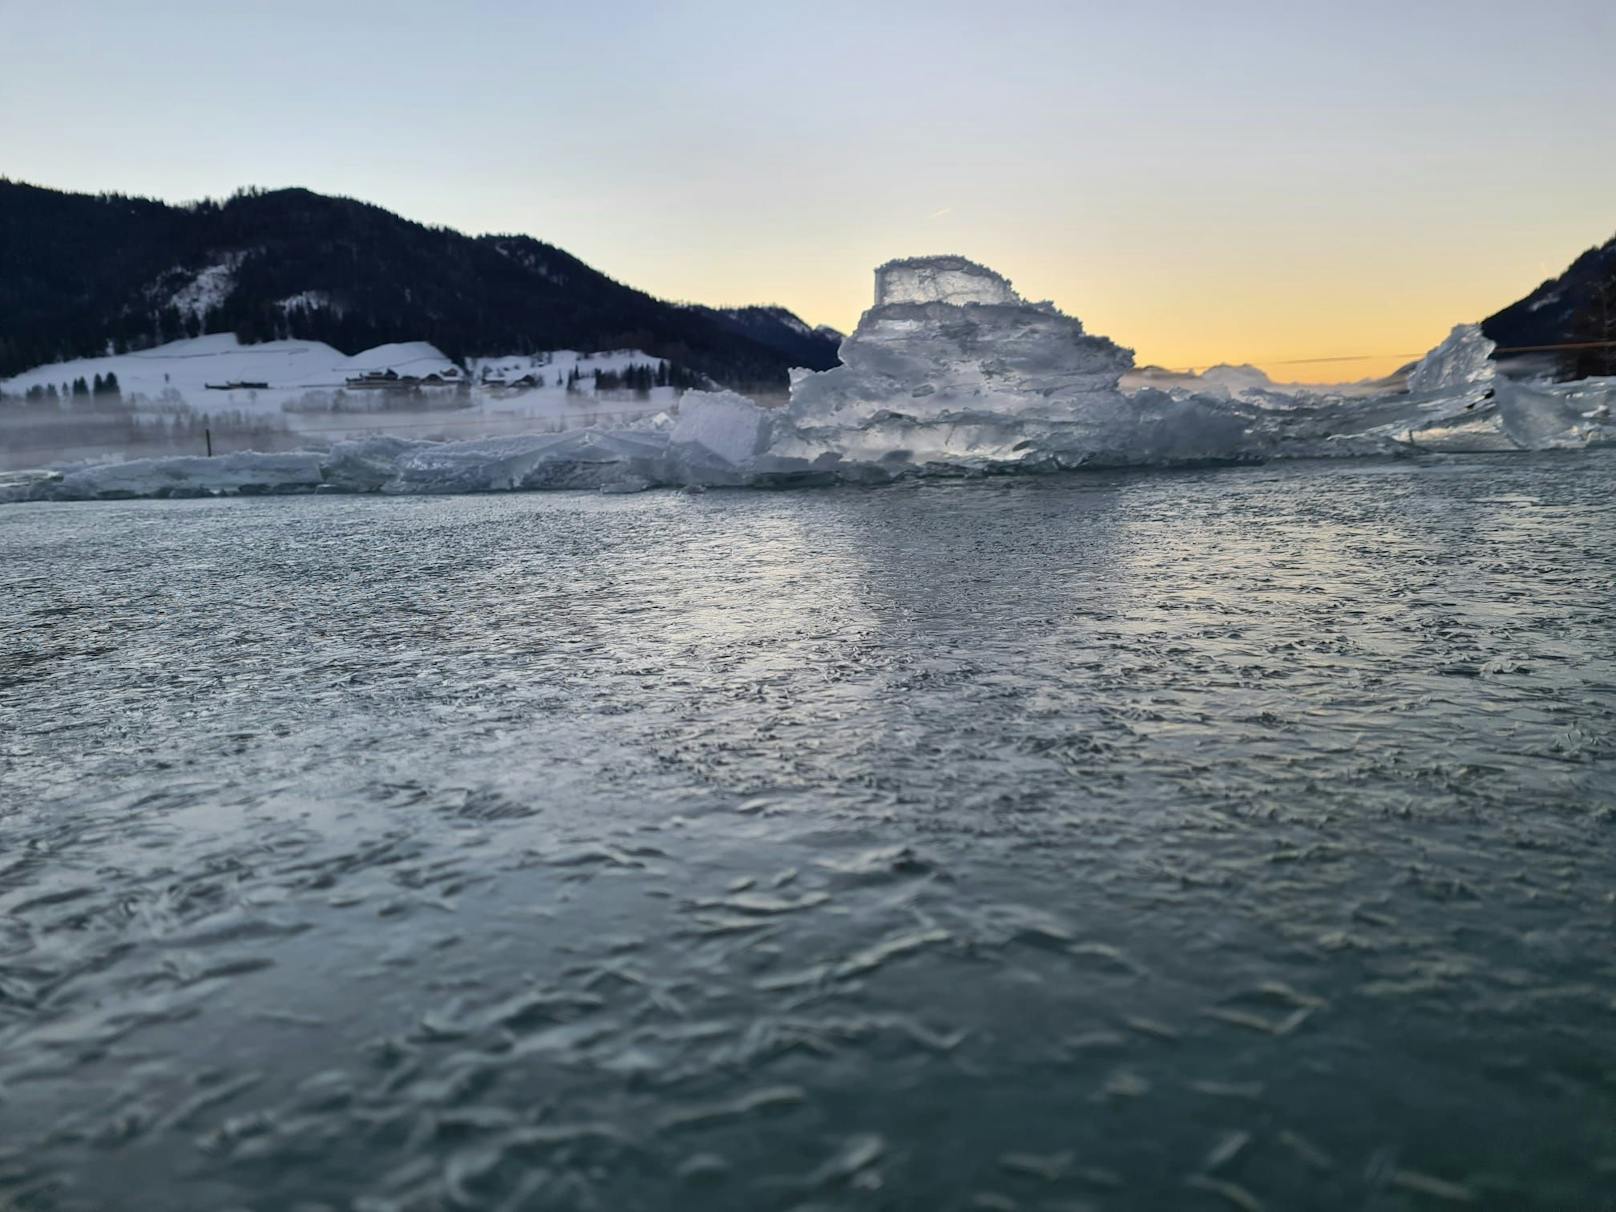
385,858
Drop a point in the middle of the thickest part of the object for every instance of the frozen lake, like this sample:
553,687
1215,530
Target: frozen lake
1212,839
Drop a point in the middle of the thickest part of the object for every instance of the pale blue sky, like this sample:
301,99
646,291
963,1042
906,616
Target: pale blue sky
1201,180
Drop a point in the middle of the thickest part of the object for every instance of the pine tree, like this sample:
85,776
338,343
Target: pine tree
110,385
1594,329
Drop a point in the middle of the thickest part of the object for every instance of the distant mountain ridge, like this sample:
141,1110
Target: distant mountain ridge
81,274
778,329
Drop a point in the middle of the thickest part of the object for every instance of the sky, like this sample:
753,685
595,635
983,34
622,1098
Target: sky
1237,181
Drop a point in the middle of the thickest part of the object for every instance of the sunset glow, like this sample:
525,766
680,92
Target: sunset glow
1245,182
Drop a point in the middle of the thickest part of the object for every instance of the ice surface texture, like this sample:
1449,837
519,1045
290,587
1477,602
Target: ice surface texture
951,372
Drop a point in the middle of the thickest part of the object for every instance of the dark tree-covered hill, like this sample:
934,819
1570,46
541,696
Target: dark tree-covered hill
781,331
80,273
1576,309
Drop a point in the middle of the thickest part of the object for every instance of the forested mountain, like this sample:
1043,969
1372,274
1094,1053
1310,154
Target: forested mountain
1575,312
778,329
81,273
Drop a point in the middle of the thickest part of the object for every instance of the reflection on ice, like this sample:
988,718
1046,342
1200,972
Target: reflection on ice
950,373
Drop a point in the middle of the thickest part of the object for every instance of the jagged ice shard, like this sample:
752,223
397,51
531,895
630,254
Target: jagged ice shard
951,372
1463,360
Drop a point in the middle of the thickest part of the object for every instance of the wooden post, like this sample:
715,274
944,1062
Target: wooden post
207,434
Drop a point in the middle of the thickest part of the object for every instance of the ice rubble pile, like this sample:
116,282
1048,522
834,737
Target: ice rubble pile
951,372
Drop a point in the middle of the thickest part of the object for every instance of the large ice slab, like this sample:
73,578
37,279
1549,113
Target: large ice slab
240,473
1558,417
951,280
719,428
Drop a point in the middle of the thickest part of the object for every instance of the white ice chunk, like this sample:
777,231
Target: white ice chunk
1564,417
719,425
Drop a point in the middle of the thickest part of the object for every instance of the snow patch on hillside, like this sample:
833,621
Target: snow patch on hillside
309,300
208,290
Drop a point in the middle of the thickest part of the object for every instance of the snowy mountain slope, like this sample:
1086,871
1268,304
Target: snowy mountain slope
85,276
